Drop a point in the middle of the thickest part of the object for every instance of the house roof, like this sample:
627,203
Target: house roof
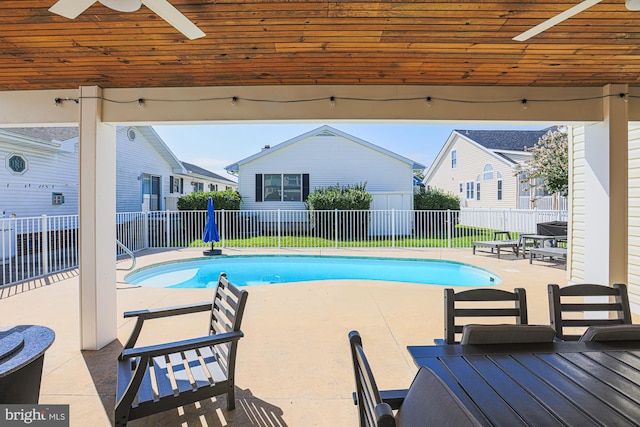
42,138
48,134
234,167
497,143
191,168
162,148
505,140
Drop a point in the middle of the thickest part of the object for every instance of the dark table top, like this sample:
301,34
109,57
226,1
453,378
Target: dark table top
20,345
570,383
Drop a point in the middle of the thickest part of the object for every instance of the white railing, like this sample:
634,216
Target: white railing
544,202
514,220
38,246
35,247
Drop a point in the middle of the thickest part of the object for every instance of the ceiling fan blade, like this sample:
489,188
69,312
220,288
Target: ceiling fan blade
70,8
173,16
555,20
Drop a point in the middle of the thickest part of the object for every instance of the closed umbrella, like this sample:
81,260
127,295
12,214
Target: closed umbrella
210,233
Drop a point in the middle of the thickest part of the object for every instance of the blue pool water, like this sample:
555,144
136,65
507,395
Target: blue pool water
249,270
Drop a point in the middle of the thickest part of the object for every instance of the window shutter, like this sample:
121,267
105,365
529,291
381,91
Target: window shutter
181,185
171,184
258,187
305,186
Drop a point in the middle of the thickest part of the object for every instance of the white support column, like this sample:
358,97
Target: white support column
97,207
606,189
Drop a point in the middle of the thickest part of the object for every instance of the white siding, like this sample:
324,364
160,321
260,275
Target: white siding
471,160
575,263
634,214
329,160
49,171
133,159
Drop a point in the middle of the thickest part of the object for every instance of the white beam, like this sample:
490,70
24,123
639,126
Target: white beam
38,107
606,193
97,209
199,105
404,103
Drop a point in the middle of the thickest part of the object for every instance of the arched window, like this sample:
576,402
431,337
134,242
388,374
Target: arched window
499,178
488,172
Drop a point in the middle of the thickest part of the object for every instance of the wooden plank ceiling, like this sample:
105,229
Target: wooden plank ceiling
344,42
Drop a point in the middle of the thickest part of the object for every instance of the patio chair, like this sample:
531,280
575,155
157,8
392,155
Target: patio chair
484,304
577,307
506,334
612,333
499,243
428,401
156,378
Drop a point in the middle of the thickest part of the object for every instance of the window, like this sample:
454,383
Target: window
461,187
272,187
175,184
228,187
57,198
478,188
488,172
499,177
454,159
198,187
470,187
213,187
17,163
288,187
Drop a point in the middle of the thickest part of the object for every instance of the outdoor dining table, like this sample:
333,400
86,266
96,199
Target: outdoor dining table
543,384
538,240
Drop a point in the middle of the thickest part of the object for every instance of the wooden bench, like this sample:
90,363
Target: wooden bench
159,377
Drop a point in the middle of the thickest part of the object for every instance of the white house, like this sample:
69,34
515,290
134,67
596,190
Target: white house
40,171
282,176
480,166
40,174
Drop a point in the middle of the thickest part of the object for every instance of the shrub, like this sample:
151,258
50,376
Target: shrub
351,226
344,198
435,199
228,200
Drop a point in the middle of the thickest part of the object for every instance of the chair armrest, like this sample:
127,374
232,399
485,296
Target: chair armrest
439,341
393,398
155,313
184,345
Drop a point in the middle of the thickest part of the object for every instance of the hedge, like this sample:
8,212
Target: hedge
228,200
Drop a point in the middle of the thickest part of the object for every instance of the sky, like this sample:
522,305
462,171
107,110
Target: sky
215,146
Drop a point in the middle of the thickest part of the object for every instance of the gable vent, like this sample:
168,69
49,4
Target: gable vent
325,133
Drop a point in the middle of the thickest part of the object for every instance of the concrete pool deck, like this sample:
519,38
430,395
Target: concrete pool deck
293,366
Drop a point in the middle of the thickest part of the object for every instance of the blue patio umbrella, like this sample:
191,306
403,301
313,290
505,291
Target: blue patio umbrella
210,233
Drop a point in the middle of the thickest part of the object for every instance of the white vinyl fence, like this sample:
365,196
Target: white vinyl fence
38,246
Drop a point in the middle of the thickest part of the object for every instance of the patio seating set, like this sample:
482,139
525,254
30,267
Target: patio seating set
156,378
584,367
549,241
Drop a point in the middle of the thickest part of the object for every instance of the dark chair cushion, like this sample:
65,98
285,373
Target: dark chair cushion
612,333
506,334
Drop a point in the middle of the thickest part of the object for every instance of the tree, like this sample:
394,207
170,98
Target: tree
549,163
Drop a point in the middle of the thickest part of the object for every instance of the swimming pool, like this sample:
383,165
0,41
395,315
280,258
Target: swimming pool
250,270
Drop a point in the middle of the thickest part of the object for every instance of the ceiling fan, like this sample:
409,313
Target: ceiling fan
630,4
72,8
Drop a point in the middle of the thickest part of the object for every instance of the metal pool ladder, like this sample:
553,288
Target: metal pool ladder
128,252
